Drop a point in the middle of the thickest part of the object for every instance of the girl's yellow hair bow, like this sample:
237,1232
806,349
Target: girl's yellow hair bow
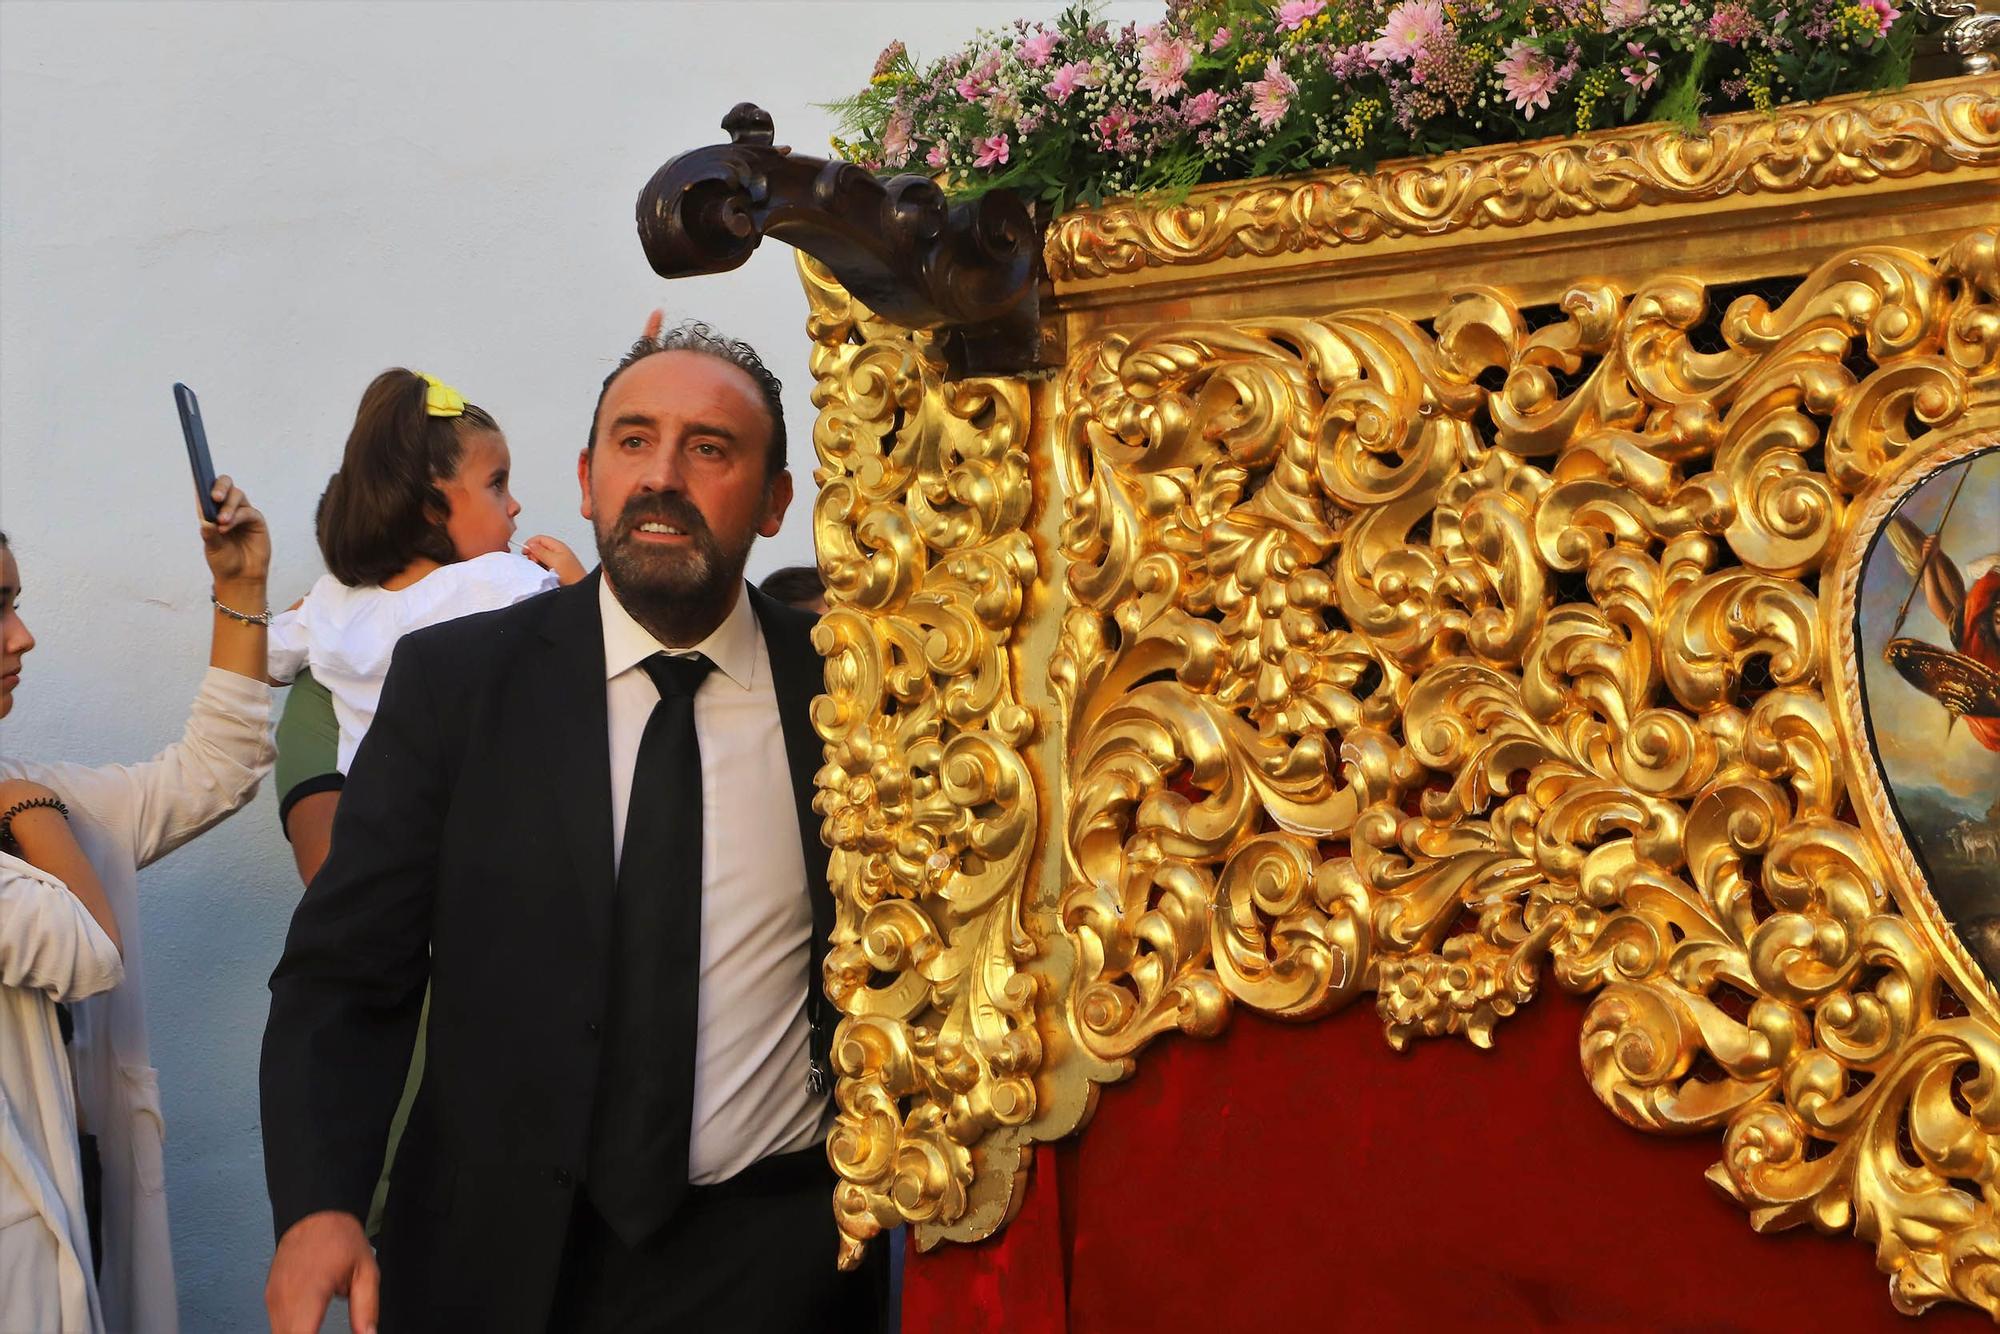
441,400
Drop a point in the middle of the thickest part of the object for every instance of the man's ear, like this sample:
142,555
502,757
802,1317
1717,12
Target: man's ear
583,482
777,498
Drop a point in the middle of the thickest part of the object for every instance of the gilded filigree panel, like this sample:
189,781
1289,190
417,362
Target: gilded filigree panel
928,803
1429,661
1284,660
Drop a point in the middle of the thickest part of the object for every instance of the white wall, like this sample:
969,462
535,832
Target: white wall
273,202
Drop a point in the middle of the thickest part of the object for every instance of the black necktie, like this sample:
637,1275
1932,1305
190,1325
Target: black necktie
645,1090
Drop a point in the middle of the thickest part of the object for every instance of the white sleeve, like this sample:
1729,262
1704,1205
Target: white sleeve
288,639
49,942
488,583
158,804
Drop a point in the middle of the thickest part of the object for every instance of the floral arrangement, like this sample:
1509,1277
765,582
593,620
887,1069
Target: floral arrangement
1227,89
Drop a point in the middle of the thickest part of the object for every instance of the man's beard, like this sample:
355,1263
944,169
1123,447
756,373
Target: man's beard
680,591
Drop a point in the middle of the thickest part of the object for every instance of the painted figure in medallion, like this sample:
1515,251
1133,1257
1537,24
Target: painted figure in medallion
1929,630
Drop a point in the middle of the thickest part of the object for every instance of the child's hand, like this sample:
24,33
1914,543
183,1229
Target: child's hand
555,557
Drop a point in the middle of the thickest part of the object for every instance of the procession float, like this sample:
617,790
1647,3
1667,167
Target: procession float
1413,666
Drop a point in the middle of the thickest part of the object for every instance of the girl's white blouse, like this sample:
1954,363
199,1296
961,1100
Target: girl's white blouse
347,634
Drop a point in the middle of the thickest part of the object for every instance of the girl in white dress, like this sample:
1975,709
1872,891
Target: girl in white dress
416,528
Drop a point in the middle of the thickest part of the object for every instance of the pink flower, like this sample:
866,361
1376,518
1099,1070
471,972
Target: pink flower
1201,108
1163,65
886,62
1885,13
1409,27
1622,14
979,80
1220,40
1732,24
1114,131
1528,77
1039,46
1293,13
896,137
1068,78
992,152
938,156
1350,63
1644,71
1271,96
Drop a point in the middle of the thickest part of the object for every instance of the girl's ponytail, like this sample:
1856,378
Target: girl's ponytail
384,508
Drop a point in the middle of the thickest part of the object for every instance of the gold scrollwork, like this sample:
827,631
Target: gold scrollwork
928,803
1840,142
1310,658
1422,662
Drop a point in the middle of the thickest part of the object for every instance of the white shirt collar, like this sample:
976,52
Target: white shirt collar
731,646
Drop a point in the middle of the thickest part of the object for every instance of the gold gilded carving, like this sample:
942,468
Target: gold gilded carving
929,806
1844,141
1283,661
1428,661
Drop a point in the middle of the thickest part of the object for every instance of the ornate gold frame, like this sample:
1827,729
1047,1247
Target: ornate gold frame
1324,629
1962,971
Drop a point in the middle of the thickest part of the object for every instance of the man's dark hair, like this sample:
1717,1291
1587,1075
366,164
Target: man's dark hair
794,585
384,508
695,336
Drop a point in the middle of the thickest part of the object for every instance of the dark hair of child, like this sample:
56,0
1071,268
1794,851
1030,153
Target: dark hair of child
385,507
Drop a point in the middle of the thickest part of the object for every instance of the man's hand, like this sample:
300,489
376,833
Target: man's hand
320,1257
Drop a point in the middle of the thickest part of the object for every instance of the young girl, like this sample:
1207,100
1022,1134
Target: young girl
415,529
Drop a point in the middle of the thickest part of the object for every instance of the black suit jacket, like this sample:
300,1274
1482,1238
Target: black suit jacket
472,853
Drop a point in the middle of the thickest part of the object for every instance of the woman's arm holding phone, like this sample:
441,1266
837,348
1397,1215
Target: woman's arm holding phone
155,805
238,547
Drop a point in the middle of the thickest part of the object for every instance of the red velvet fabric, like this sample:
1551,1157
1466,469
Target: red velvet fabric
1309,1178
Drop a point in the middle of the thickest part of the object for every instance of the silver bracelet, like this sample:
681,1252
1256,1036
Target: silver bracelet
261,618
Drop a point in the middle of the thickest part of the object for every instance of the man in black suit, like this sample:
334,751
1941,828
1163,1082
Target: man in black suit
621,1119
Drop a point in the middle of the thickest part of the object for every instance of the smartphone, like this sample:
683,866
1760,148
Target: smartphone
199,462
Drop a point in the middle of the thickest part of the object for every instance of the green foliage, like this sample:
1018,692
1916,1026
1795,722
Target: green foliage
1681,103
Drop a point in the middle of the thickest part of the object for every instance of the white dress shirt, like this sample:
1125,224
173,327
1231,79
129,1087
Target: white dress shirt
752,1039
